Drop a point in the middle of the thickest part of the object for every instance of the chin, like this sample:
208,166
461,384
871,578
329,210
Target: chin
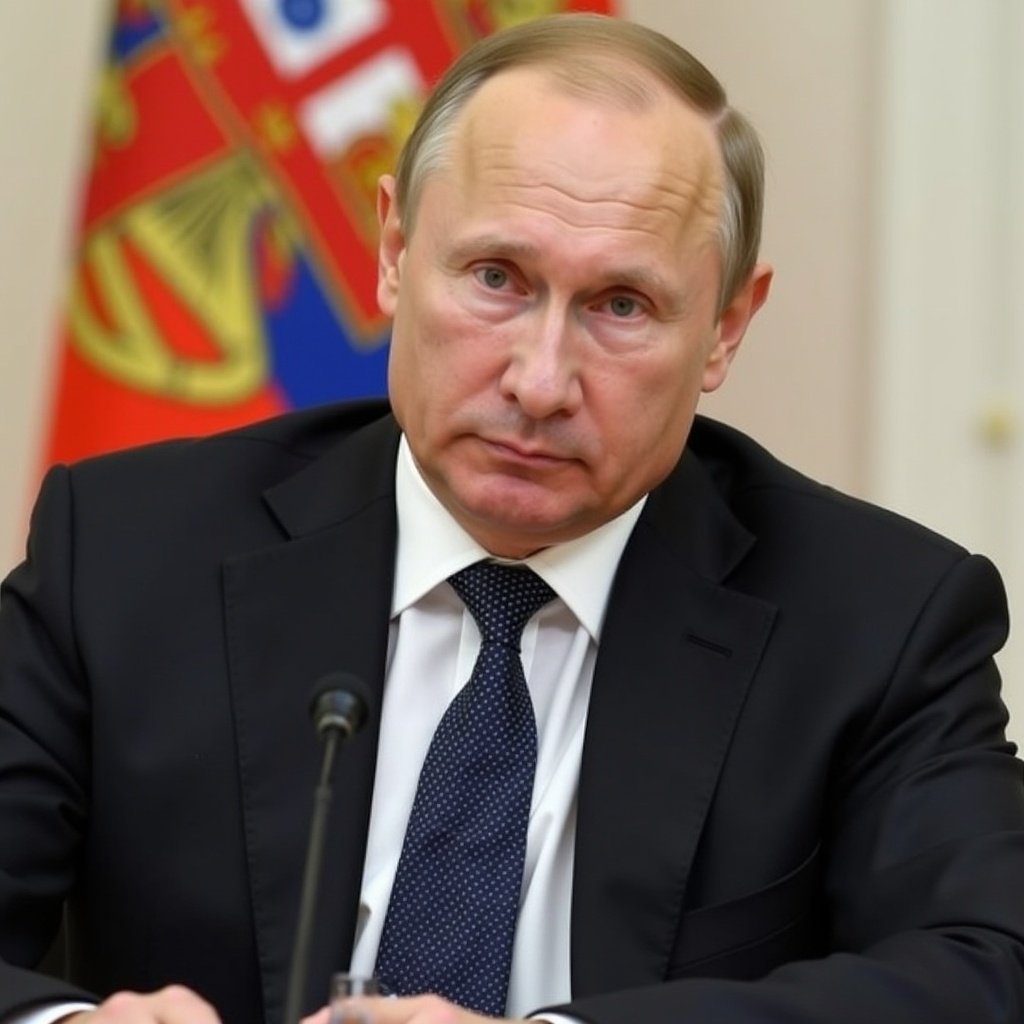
514,503
515,507
504,531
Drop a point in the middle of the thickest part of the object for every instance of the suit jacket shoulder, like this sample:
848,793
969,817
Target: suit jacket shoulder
773,499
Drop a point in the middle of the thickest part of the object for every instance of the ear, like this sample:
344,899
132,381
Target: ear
733,324
391,248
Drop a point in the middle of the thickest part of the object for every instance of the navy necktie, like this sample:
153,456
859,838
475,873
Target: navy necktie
452,915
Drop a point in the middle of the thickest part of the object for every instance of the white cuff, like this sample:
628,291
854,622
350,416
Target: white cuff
47,1014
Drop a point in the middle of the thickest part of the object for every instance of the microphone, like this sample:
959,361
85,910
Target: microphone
339,709
338,702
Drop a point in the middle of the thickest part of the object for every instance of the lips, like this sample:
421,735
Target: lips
519,452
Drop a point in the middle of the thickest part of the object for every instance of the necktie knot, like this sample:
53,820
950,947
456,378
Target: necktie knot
501,598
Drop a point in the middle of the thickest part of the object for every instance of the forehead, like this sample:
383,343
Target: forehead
526,141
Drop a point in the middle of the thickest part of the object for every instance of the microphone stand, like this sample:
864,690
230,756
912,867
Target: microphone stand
338,708
311,881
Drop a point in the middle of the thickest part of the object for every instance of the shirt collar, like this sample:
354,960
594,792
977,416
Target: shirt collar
432,546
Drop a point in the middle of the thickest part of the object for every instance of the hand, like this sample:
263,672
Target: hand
172,1005
406,1010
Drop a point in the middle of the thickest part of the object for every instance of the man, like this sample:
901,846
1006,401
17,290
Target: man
771,779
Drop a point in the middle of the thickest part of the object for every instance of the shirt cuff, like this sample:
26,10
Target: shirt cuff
47,1014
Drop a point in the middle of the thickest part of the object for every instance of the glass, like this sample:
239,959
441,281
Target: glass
343,987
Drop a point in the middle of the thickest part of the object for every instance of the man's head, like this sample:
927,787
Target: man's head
568,254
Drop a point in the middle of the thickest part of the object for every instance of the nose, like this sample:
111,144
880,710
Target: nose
543,371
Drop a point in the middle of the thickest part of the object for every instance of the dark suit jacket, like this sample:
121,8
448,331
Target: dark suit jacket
794,768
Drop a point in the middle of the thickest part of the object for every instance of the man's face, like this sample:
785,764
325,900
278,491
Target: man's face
554,308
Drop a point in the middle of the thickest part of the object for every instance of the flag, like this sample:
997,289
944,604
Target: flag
225,268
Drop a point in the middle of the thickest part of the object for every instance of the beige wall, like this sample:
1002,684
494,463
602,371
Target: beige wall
48,49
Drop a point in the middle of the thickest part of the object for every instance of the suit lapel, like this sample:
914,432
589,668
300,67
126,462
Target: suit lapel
318,602
677,654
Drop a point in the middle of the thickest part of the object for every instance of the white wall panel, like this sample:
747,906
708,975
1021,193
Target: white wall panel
948,379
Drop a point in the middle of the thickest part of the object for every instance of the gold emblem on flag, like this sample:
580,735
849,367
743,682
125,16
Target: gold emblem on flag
196,238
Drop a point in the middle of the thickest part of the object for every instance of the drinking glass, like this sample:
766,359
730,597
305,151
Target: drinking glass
343,987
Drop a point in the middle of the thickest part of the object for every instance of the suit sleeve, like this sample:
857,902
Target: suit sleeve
44,751
924,849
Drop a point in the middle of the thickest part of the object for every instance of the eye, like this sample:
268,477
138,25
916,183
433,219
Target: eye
493,277
622,307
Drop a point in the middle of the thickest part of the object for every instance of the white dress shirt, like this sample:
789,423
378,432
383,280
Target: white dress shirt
433,643
433,646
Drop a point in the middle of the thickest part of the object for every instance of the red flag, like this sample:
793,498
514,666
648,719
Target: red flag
226,263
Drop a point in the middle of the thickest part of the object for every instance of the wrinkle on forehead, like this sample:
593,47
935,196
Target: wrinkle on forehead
638,205
525,139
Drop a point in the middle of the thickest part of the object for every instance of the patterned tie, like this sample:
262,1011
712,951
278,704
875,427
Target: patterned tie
452,915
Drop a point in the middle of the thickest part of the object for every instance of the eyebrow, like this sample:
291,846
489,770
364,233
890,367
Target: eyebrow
492,247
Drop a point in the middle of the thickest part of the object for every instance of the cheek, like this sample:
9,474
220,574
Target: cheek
650,412
416,344
401,375
412,362
441,362
460,353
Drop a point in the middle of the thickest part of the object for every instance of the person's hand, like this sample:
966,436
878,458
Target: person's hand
405,1010
172,1005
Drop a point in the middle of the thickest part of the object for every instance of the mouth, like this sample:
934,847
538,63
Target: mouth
522,454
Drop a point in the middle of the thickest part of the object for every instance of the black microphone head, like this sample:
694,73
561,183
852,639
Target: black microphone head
340,701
